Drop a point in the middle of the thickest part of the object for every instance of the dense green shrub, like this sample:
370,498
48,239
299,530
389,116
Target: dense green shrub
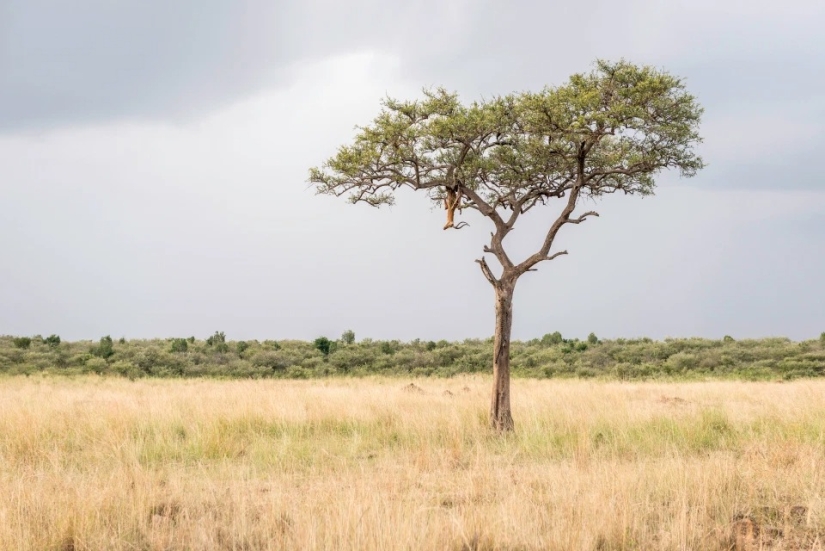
323,344
218,342
22,342
551,339
271,360
179,345
104,349
53,341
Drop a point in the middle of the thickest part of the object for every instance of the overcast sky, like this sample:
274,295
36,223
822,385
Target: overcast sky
154,158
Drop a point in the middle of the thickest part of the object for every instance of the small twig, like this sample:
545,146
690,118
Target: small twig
552,256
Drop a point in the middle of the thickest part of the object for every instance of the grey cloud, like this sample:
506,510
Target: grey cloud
88,61
95,60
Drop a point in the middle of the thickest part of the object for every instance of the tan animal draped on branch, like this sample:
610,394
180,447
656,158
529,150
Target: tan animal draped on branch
452,201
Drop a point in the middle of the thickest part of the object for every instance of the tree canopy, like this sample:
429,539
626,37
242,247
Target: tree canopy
606,131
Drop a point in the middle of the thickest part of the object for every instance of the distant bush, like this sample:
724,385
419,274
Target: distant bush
127,369
592,338
53,341
271,344
96,365
323,344
218,338
179,345
22,342
270,360
105,348
241,347
348,337
552,339
218,342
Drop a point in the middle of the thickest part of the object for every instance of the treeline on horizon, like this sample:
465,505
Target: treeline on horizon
545,357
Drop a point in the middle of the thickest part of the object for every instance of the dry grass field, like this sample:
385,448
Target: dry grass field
369,464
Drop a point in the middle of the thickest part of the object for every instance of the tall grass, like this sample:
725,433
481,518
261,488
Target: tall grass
100,463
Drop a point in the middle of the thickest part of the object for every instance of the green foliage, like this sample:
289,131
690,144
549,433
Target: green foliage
104,349
624,122
218,338
53,341
22,342
592,338
727,338
121,340
323,344
348,337
551,339
179,345
271,360
272,344
623,359
218,342
822,338
96,365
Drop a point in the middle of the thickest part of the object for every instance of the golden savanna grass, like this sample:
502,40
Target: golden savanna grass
368,464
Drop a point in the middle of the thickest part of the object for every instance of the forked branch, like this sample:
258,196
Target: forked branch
485,269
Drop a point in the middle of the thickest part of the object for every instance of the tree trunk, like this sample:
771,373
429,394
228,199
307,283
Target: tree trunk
500,417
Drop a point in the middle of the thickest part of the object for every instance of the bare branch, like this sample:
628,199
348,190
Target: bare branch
582,218
551,257
554,255
485,269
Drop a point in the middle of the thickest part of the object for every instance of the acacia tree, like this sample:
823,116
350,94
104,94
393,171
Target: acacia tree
610,130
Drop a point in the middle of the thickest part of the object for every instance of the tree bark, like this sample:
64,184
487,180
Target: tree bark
501,419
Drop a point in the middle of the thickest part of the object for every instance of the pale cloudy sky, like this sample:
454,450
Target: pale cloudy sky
154,156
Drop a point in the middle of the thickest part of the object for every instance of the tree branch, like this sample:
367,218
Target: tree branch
485,269
551,257
582,218
564,218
